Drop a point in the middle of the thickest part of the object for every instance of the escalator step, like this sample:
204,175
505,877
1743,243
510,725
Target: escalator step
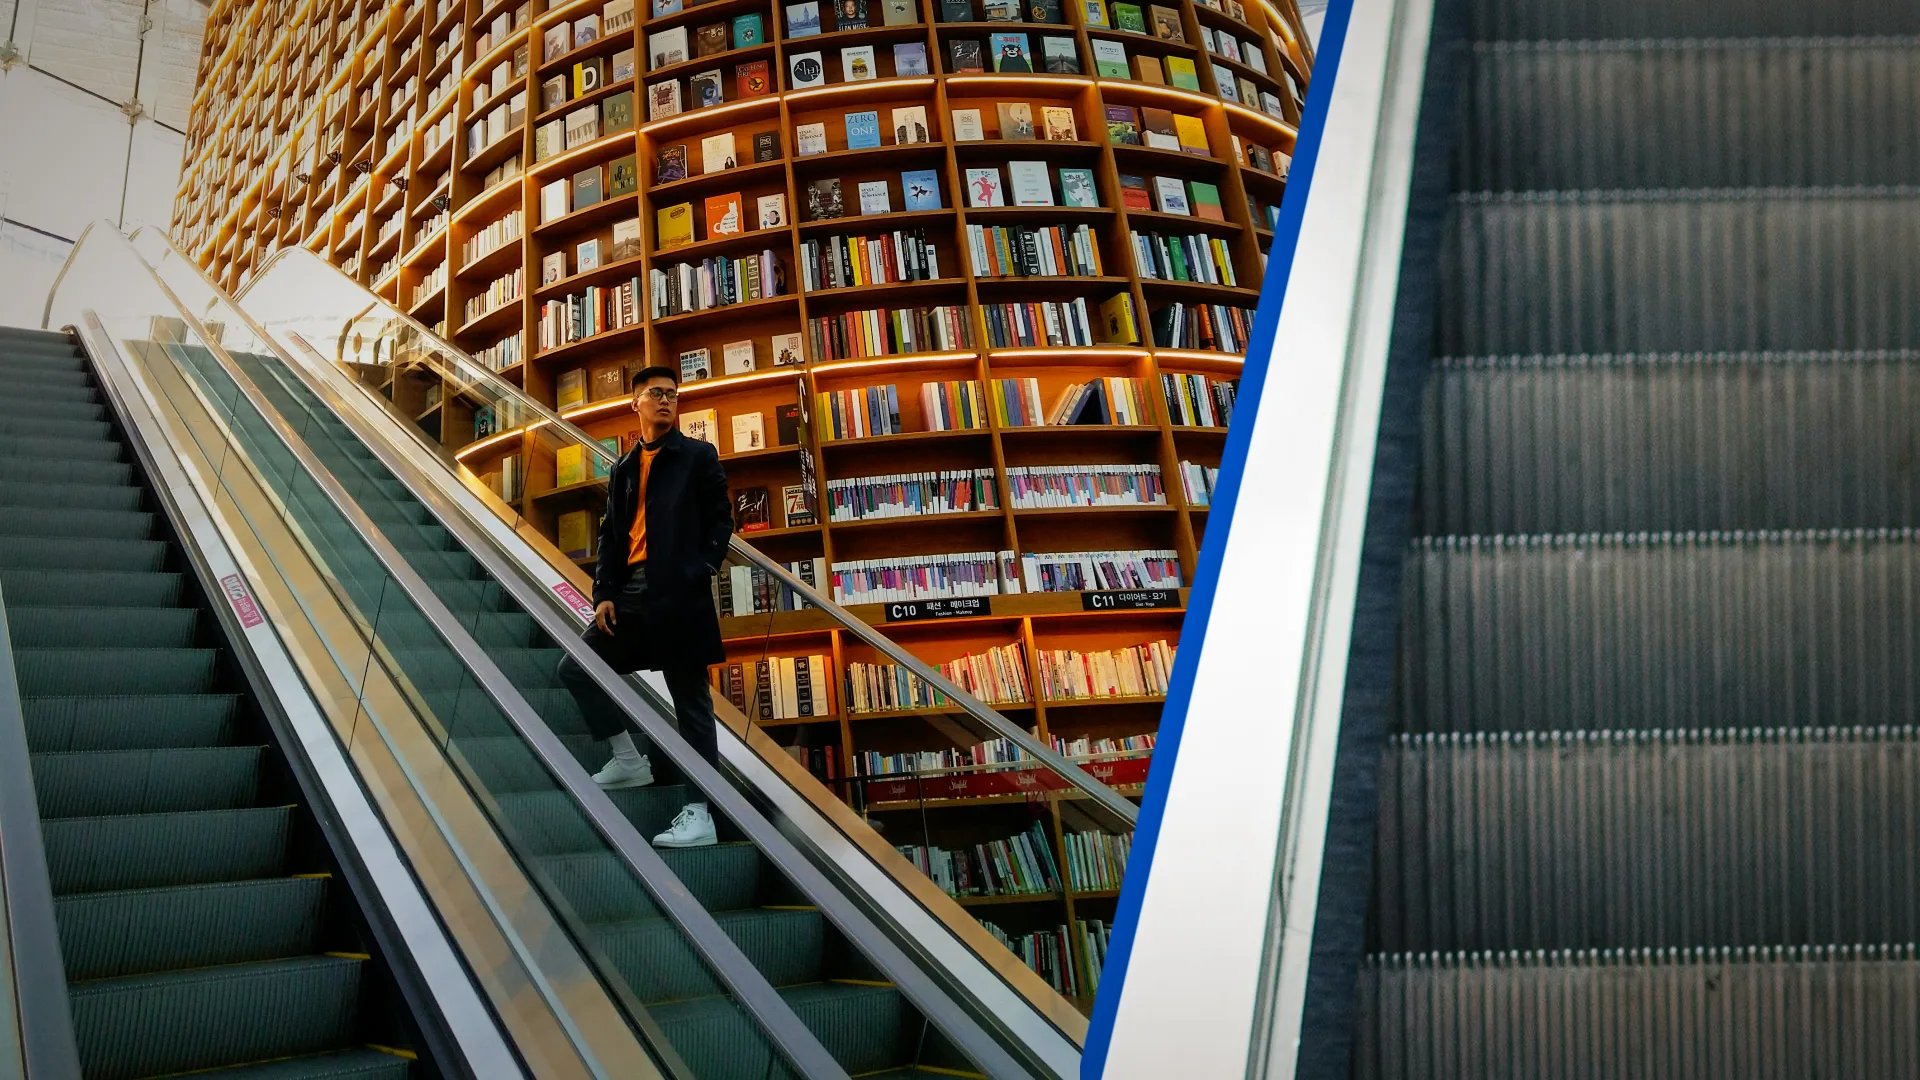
1754,112
508,629
1662,631
659,964
74,496
145,930
1760,1014
148,721
1594,273
146,1025
345,1065
89,555
1602,444
91,524
71,671
105,627
1669,839
1511,20
128,589
37,452
115,474
59,410
146,850
863,1027
52,427
505,763
33,380
95,783
550,822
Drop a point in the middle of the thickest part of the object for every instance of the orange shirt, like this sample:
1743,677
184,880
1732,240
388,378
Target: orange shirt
637,536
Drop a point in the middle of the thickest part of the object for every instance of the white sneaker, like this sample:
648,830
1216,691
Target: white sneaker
692,827
617,774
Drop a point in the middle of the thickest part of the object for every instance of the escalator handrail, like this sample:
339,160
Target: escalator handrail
729,964
37,974
913,983
1105,801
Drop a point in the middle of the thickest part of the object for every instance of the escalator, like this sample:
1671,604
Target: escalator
1647,802
200,915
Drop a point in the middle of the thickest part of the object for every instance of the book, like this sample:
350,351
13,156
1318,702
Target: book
695,365
966,126
823,200
663,99
555,43
703,424
670,164
1147,70
1016,119
1157,129
626,240
1205,200
753,510
1001,10
723,215
549,139
1258,157
752,80
1011,52
621,69
803,20
874,197
804,70
553,93
623,177
772,210
575,532
1134,193
956,11
587,255
1192,135
553,267
607,381
570,389
850,15
785,350
711,39
1029,183
910,125
812,138
963,55
667,48
1094,12
786,419
863,130
738,356
1116,321
856,64
569,465
909,58
717,153
1181,73
1077,188
673,225
749,429
553,201
583,126
920,189
1123,126
586,187
1060,124
983,188
899,12
706,89
798,511
766,146
1166,23
588,76
616,113
1170,196
665,7
586,31
1061,57
1130,18
616,17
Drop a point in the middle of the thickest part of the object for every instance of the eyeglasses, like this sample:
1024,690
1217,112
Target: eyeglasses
661,393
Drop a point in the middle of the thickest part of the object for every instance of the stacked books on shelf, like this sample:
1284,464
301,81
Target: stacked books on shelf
1047,953
1220,327
505,289
1064,486
856,414
596,309
494,236
1096,860
1133,671
924,577
884,688
1033,251
1046,323
822,761
748,590
1198,482
720,281
777,687
1021,865
1197,257
1076,571
1093,945
996,676
1085,746
895,495
915,762
838,262
953,406
1110,399
430,284
1197,400
856,335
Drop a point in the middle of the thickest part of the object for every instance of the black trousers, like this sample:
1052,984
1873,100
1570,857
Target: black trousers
622,650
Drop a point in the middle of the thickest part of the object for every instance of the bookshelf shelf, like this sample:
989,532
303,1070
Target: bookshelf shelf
313,95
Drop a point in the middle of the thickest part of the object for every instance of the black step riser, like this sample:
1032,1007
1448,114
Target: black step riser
1552,20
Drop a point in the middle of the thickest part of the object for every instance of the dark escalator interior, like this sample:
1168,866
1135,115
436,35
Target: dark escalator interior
200,917
1650,805
858,1016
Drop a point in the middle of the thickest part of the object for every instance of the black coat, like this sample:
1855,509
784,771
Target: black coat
689,520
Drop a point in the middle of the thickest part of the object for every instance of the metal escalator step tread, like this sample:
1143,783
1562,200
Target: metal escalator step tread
149,1025
550,822
31,380
58,410
915,1072
113,474
105,626
342,1065
863,1027
82,555
1553,19
53,427
28,453
97,783
68,522
660,965
129,722
18,493
145,850
135,931
71,671
505,764
128,589
512,630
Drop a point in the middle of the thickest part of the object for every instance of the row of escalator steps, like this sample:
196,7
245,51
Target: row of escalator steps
200,928
858,1016
1651,803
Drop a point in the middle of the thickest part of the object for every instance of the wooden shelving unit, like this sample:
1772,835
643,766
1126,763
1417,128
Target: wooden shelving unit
343,126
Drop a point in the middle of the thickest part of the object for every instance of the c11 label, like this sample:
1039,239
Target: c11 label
1129,600
954,608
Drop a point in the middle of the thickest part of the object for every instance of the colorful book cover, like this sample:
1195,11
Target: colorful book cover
823,200
1147,70
803,20
1166,24
623,177
984,188
875,198
1010,52
670,164
723,215
1016,119
1181,73
1110,59
1077,188
920,189
1094,12
710,40
766,145
705,89
1134,193
863,130
1206,201
856,64
899,12
964,56
910,125
747,31
805,70
910,58
1193,135
616,113
674,225
750,80
1130,18
1061,55
850,14
1123,126
1060,124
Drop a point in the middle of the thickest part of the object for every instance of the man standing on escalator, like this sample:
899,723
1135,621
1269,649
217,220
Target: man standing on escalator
663,538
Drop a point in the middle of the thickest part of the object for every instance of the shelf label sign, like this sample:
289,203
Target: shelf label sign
242,601
952,608
1129,600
